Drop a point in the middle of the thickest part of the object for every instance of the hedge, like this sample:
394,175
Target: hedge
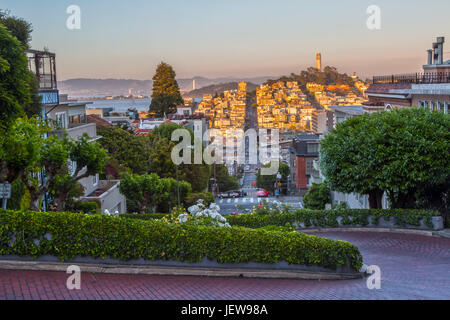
328,218
144,216
67,235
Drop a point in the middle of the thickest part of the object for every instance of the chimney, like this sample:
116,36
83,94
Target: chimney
430,57
435,52
440,50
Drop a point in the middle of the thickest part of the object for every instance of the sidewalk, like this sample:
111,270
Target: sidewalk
443,233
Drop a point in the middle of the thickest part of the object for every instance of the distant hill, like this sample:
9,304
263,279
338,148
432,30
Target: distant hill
114,87
329,76
217,89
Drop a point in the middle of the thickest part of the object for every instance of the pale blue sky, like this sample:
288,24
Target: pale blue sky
127,38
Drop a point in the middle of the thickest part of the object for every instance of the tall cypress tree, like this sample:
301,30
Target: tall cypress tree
166,93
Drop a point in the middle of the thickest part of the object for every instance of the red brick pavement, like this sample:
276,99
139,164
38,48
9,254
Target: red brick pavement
412,267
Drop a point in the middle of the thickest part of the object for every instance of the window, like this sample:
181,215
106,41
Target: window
309,166
60,119
312,148
78,118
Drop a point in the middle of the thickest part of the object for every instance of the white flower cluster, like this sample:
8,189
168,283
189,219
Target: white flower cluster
200,210
107,213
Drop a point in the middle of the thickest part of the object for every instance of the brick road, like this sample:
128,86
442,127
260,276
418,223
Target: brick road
412,267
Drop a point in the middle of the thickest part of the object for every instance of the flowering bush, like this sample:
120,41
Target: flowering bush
204,215
274,207
198,214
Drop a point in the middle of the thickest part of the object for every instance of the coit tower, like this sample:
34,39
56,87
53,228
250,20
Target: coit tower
319,62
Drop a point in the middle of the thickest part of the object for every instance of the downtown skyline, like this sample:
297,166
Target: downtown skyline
231,39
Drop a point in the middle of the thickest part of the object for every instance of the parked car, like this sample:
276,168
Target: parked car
262,193
230,194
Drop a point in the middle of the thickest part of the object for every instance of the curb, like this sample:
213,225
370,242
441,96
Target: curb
439,234
177,271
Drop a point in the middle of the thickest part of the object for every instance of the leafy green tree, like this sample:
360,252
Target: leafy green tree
196,174
192,198
22,30
65,190
20,146
129,150
165,130
19,196
401,152
224,180
173,189
15,90
317,196
268,182
18,27
29,153
87,159
144,190
166,93
160,158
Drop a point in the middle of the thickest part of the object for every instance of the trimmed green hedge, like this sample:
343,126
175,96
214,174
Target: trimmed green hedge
67,235
328,218
144,216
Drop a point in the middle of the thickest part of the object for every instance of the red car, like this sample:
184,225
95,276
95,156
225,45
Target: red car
262,193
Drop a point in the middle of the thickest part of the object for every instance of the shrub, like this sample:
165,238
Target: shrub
192,198
67,235
85,207
18,190
328,218
317,196
144,216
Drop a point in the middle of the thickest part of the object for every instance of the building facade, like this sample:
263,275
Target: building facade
304,150
69,117
429,89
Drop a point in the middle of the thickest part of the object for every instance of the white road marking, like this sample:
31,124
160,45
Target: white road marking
221,200
236,200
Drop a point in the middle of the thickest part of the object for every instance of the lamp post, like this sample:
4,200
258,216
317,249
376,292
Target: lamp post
178,186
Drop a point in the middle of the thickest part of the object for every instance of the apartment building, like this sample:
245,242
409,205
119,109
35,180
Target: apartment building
69,117
429,89
304,150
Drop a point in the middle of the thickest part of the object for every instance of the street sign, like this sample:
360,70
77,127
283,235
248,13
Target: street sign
5,190
5,193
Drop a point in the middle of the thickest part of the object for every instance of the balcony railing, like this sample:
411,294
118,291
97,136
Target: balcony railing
76,131
414,78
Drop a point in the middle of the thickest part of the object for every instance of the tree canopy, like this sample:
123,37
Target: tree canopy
145,193
18,85
267,182
15,92
128,149
27,148
400,152
18,27
166,93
